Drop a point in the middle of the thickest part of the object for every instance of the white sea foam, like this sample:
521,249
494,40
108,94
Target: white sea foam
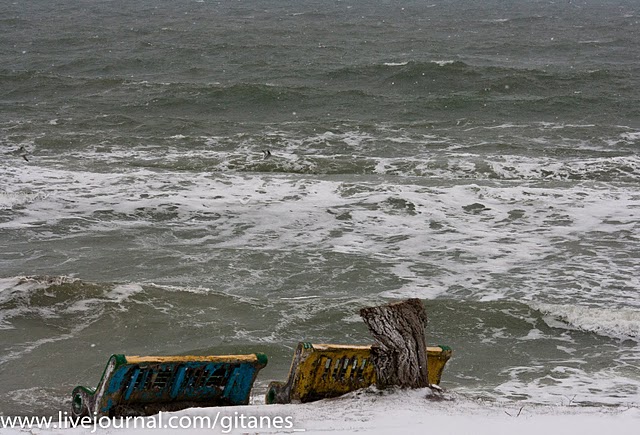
8,283
496,20
20,287
631,136
11,199
474,234
37,398
595,41
567,385
29,283
299,298
18,351
623,323
505,126
122,292
443,62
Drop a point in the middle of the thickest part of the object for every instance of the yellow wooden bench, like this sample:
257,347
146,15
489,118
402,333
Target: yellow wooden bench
144,385
320,371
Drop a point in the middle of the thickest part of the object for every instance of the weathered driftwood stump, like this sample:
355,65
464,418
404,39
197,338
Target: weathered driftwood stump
400,354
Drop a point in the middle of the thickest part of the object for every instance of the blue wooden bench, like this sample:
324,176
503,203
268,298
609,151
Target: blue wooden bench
144,385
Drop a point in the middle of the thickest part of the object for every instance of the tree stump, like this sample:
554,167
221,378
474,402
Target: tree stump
400,352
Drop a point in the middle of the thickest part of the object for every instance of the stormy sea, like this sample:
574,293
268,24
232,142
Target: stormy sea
483,156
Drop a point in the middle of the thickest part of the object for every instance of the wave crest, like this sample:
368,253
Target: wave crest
622,323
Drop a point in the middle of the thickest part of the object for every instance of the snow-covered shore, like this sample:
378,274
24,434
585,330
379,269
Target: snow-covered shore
372,412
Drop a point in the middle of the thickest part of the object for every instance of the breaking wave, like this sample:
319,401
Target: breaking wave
621,323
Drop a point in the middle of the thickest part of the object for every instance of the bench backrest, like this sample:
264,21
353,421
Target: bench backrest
320,371
135,385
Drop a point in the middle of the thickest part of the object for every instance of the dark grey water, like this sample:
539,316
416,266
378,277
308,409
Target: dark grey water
483,156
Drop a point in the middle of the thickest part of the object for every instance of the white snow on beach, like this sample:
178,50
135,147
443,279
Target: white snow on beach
392,412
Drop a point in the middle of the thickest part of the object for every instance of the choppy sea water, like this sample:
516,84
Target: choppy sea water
482,157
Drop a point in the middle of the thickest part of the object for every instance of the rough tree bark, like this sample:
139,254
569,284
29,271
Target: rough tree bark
400,354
